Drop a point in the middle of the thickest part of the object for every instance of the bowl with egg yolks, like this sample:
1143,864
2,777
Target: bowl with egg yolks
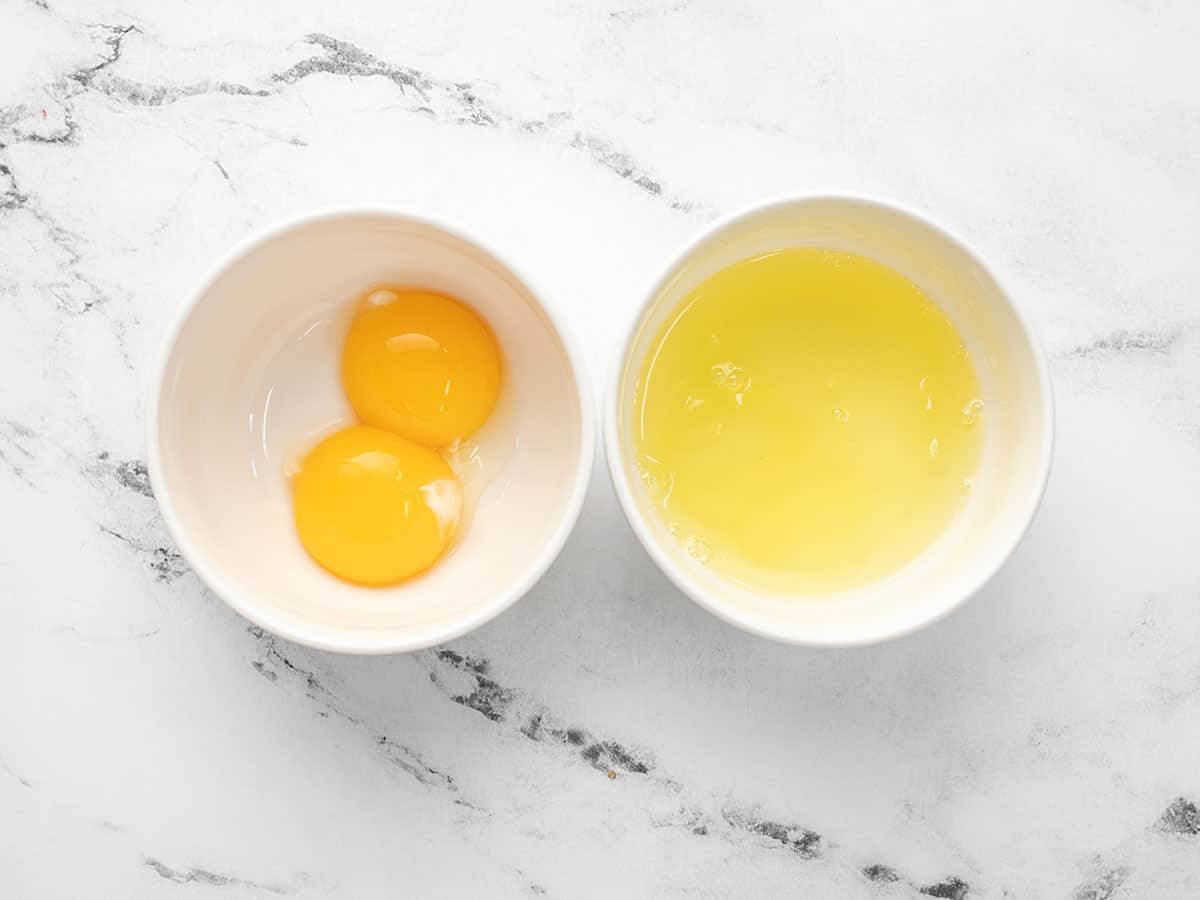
828,424
367,433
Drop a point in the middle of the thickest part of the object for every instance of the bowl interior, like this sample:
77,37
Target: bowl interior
1016,399
252,381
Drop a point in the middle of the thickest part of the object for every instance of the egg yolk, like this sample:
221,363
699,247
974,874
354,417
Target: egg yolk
422,365
374,508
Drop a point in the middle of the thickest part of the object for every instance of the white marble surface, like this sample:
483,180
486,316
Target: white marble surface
1042,742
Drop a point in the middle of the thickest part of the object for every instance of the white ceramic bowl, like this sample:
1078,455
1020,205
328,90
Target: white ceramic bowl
249,379
1016,394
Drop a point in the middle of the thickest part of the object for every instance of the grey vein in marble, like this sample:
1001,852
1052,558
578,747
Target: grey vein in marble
131,92
950,889
461,104
11,197
15,452
82,293
105,639
1102,885
71,84
508,708
163,559
1181,818
804,842
145,536
208,878
1127,342
79,295
24,782
274,662
452,102
129,474
1180,821
495,703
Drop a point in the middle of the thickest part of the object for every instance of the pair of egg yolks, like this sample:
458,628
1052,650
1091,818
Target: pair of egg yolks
376,503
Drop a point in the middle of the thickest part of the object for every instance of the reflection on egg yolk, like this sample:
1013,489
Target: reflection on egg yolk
422,365
374,508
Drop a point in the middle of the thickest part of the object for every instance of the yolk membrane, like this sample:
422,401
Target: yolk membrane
422,365
373,507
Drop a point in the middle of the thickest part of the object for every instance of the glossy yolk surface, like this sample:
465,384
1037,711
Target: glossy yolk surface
422,365
374,508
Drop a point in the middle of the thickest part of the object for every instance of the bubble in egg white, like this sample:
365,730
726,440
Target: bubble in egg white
698,549
729,377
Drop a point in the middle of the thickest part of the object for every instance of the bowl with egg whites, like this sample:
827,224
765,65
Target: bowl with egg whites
367,432
828,423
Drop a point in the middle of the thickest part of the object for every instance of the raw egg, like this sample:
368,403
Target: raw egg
807,421
422,365
373,507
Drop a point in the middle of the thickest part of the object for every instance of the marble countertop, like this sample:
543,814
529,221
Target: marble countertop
605,737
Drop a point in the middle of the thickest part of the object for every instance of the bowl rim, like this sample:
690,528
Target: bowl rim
710,600
365,641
